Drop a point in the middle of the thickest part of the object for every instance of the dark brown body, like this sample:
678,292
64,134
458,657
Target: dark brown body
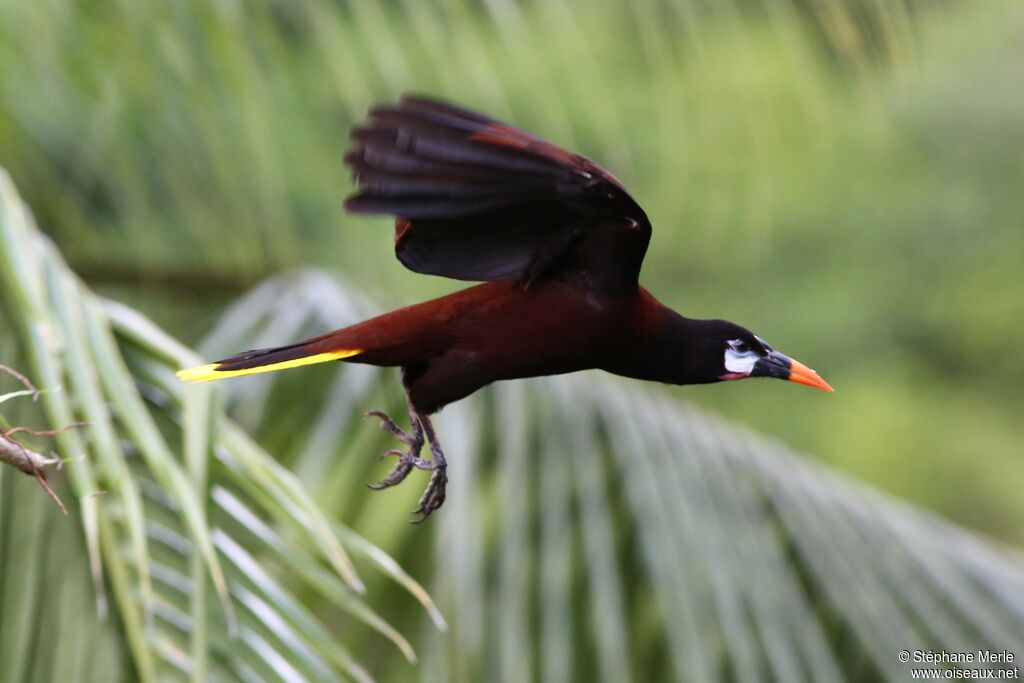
452,346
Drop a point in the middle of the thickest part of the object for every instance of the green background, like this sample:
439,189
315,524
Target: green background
843,178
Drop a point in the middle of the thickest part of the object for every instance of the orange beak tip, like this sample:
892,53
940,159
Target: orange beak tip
801,374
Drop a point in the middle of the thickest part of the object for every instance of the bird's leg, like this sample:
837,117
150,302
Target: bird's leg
410,459
434,495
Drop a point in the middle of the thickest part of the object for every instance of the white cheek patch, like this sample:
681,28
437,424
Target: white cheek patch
740,363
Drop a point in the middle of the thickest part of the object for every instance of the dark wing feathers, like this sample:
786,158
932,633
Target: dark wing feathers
493,245
440,112
476,199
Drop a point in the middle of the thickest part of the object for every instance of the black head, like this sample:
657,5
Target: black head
721,350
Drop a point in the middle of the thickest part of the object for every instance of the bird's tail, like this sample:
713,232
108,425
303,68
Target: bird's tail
268,360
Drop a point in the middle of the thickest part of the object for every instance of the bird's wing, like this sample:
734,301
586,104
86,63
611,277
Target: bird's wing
476,199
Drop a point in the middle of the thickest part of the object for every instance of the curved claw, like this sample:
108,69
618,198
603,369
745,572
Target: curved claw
384,483
433,497
380,415
396,476
414,441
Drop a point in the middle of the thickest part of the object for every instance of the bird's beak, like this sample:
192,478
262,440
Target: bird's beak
781,366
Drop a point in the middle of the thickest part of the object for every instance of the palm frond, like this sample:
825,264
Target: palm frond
171,497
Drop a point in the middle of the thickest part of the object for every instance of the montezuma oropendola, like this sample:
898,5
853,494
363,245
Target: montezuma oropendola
557,243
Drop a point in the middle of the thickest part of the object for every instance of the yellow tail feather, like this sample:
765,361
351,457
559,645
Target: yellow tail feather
209,373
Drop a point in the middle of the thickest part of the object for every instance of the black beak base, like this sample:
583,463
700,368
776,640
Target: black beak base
781,366
774,365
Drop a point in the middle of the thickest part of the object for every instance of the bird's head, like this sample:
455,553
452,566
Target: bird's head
737,353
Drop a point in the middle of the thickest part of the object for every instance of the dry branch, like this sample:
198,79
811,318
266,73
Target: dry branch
28,461
23,459
21,378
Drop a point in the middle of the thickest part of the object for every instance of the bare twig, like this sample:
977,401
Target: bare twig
21,378
21,458
44,432
15,454
28,461
41,478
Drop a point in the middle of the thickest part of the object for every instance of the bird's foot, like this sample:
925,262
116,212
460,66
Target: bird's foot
410,459
434,495
407,459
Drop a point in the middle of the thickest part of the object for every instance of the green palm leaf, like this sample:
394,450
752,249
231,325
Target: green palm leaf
170,495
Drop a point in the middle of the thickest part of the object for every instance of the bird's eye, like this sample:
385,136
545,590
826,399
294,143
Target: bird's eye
739,346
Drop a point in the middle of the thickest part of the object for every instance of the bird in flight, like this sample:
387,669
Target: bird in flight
557,243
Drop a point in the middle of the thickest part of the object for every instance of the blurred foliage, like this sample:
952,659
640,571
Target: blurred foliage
841,176
200,543
595,530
